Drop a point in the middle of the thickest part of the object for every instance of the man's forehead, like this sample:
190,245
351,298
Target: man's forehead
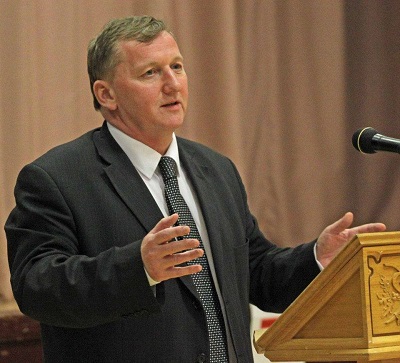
163,45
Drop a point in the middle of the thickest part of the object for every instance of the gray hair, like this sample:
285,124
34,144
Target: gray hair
103,50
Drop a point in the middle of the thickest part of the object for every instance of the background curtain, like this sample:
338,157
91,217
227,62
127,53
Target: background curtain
279,86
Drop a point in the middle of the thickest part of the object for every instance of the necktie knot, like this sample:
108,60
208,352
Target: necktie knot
167,167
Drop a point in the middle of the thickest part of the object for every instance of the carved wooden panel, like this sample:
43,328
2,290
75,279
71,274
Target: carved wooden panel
384,290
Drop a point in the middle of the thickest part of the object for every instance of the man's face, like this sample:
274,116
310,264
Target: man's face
150,89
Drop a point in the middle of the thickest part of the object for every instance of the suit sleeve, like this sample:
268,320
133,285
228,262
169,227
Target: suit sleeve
53,281
277,275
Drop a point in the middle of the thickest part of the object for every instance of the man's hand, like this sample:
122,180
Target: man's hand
161,253
337,235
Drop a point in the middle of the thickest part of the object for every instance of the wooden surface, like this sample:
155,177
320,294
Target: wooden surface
349,313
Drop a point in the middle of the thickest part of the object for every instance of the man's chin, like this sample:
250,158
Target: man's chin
174,124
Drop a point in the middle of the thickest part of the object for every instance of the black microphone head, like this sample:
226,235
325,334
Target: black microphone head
362,140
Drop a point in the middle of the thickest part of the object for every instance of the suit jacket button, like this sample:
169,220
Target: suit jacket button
197,305
201,358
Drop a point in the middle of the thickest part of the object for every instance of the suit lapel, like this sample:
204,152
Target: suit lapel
202,181
126,180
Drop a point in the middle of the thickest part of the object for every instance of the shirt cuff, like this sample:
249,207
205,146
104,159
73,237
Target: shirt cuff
315,256
151,281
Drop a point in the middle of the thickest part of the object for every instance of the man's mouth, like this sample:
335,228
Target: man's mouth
171,104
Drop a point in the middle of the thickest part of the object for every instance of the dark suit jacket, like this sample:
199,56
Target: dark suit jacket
74,250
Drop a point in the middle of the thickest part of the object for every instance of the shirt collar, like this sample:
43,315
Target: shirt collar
144,158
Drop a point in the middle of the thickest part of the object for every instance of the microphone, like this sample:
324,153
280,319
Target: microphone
368,141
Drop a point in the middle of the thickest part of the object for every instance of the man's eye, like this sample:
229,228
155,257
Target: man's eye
177,66
150,72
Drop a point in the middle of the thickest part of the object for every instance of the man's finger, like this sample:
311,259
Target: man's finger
165,230
165,222
179,271
170,234
341,224
370,228
183,257
179,246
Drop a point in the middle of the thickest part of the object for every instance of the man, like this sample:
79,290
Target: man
96,250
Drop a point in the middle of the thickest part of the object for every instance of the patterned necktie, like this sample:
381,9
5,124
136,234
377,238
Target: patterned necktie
202,280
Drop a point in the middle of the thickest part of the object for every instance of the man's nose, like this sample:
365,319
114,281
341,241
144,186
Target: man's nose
171,82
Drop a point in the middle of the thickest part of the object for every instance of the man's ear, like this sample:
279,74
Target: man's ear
105,94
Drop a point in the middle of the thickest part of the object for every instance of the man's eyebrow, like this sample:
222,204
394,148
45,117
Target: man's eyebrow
178,58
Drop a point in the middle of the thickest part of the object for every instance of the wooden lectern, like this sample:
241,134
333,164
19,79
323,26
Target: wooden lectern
349,313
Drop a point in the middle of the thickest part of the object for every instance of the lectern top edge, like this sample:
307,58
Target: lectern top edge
374,239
